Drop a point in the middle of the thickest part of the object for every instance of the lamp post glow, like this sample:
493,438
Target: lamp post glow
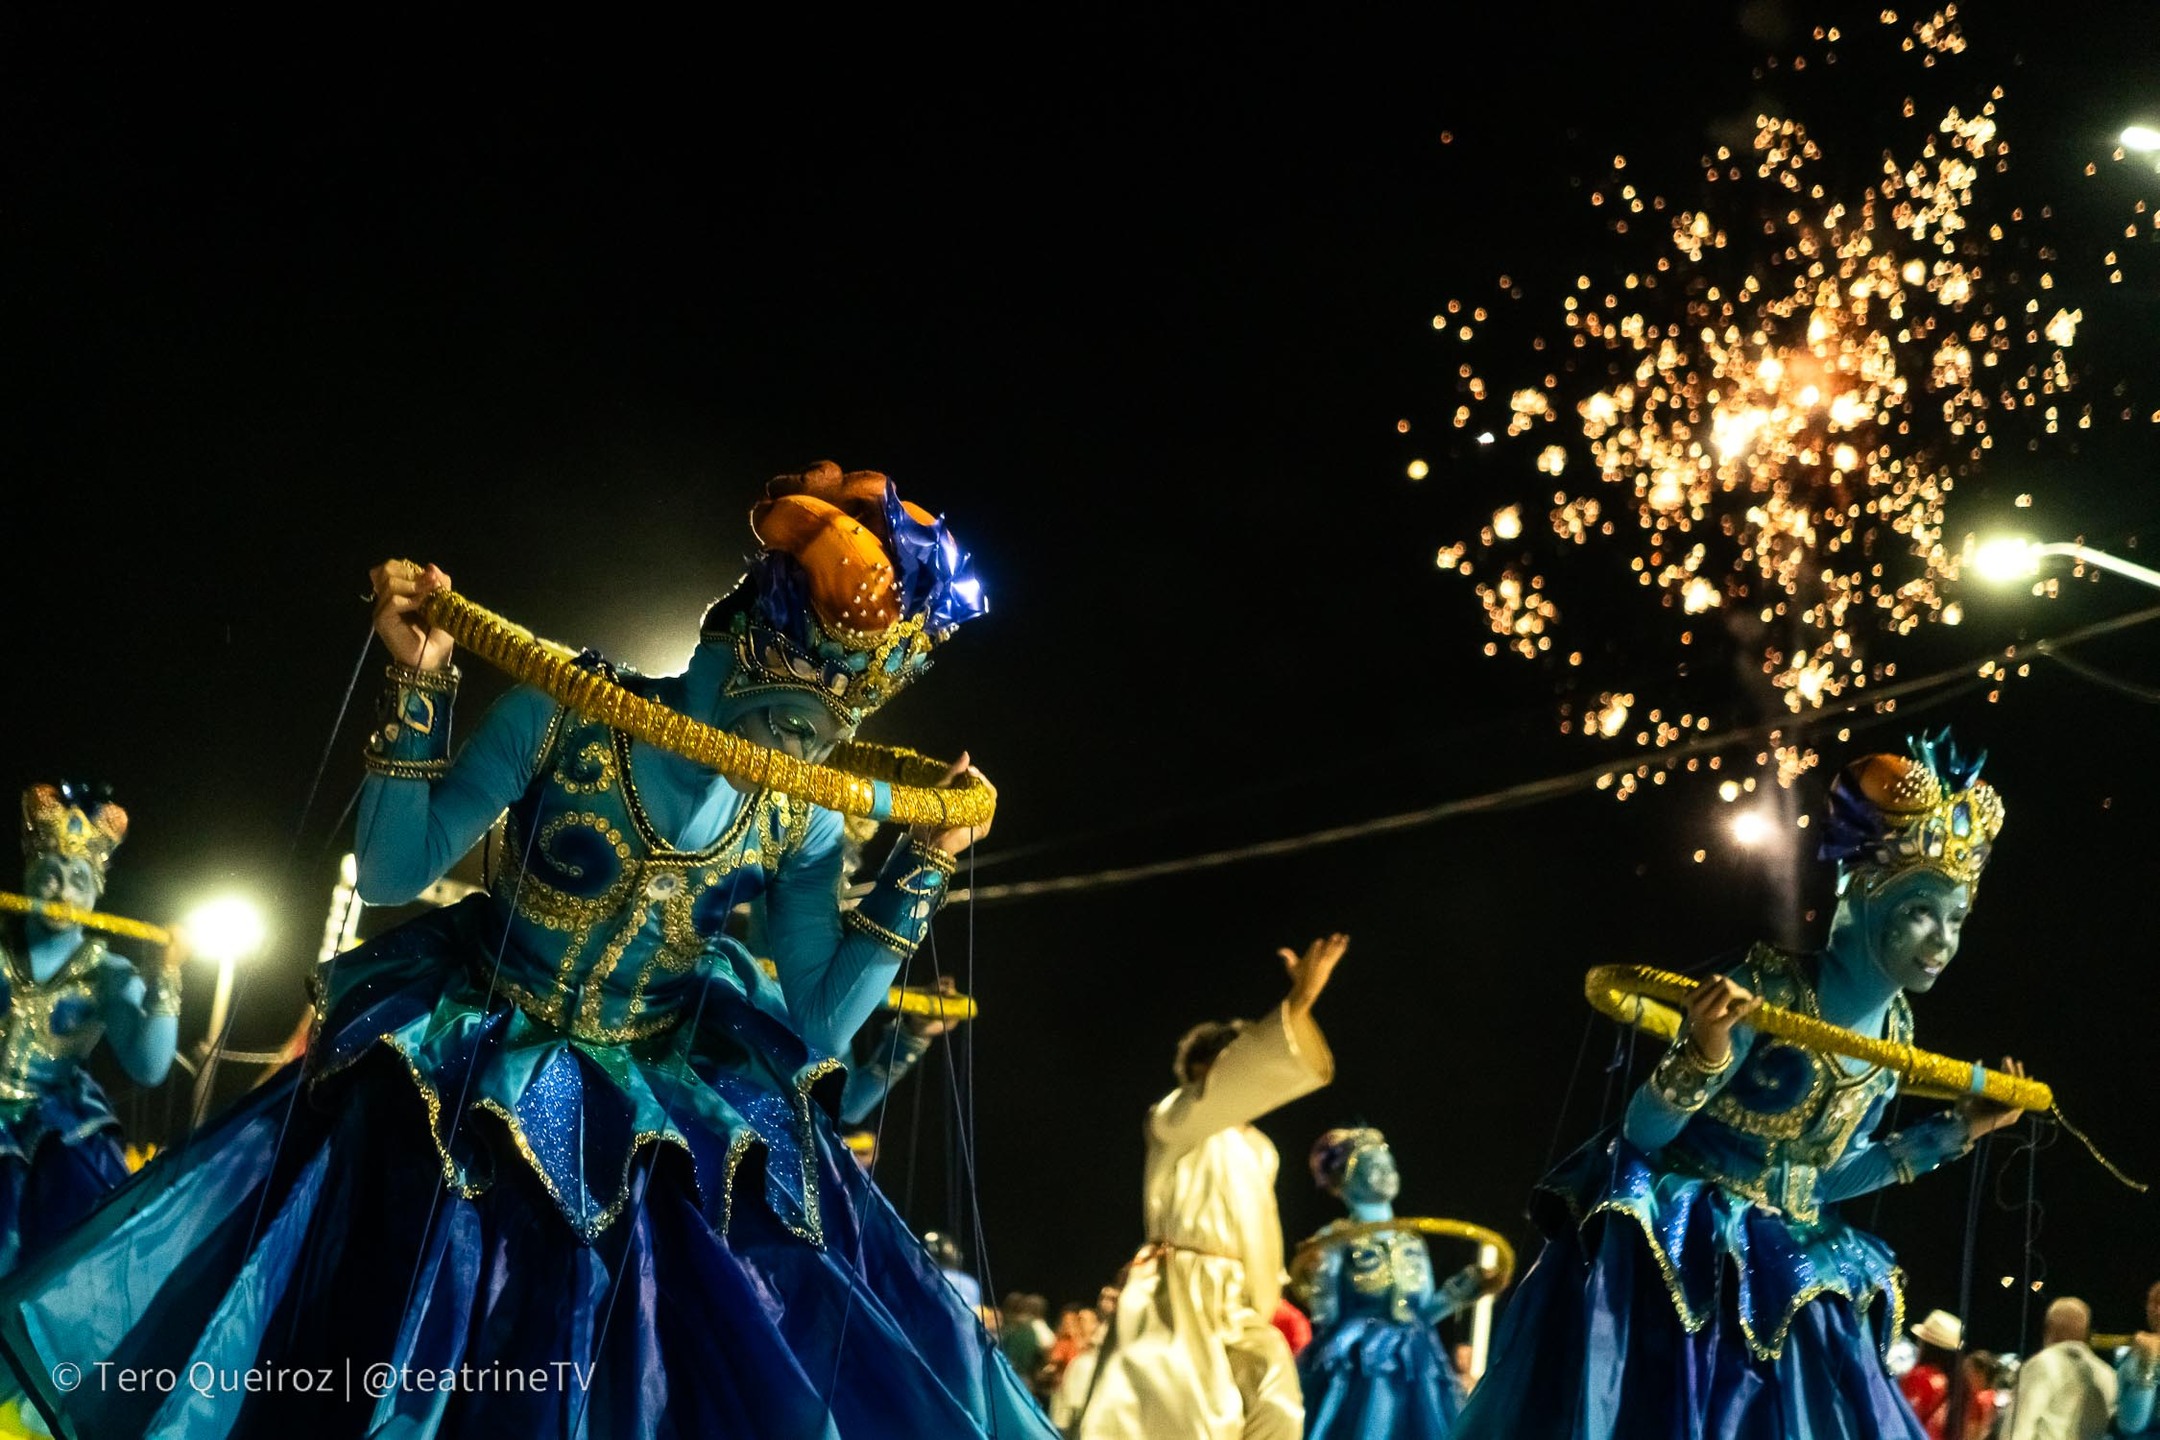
226,930
1751,828
2009,557
2142,138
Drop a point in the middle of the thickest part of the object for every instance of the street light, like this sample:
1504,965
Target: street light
2010,557
1751,828
226,930
2142,138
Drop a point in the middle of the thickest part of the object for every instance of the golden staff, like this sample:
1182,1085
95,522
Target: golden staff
849,783
920,1000
59,914
911,999
1342,1232
1644,997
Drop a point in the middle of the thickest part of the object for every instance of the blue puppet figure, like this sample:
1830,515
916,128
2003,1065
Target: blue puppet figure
565,1141
1697,1279
61,992
1374,1369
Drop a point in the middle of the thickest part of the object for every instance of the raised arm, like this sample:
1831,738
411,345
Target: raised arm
1455,1294
1701,1061
411,828
834,971
142,1017
420,811
1273,1062
1900,1159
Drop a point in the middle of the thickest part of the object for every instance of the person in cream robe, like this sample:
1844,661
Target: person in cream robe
1192,1354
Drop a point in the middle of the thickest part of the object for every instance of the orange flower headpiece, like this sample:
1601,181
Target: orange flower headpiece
853,589
72,821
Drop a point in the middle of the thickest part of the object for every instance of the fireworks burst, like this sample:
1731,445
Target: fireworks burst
1768,415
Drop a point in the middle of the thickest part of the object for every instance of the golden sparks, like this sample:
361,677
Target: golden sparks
1774,411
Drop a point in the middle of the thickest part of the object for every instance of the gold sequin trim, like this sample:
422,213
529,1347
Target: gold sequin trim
897,943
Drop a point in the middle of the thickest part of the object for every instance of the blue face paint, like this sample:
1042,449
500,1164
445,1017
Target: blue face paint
1371,1178
63,879
1909,930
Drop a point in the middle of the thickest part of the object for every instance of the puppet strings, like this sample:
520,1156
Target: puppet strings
2035,1138
868,1179
307,806
457,1111
643,1184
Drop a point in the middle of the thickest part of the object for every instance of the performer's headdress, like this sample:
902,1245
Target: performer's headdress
75,821
1928,810
1333,1153
853,589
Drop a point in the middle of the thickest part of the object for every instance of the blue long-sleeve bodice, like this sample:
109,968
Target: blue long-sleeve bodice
1787,1127
630,1012
620,860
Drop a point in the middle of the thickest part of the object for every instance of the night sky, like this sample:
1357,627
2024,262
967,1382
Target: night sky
1137,302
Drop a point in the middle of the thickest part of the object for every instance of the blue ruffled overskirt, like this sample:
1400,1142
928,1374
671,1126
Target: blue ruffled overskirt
58,1157
334,1231
1375,1379
1664,1307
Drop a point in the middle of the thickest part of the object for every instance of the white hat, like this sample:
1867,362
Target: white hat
1941,1329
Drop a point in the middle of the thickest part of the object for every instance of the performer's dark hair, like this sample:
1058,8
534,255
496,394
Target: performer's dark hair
1202,1044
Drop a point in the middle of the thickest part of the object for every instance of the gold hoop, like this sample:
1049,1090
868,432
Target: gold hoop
851,782
1342,1232
61,914
915,1000
1644,997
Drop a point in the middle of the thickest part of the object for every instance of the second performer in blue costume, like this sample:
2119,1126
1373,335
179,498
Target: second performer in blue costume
562,1159
1375,1369
1697,1281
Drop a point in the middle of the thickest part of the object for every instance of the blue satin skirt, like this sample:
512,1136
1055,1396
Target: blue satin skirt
1593,1345
1375,1379
314,1264
41,1199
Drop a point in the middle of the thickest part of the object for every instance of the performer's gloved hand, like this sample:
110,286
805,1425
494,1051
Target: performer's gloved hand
1984,1117
1309,973
929,1027
400,587
176,951
953,841
1716,1007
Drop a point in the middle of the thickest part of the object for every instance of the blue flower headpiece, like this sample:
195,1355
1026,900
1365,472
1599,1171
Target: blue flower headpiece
850,595
1926,810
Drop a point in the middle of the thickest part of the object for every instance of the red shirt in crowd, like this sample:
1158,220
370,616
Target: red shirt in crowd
1927,1391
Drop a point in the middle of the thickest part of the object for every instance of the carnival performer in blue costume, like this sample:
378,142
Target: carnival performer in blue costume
2137,1376
61,992
1697,1279
562,1160
1374,1369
